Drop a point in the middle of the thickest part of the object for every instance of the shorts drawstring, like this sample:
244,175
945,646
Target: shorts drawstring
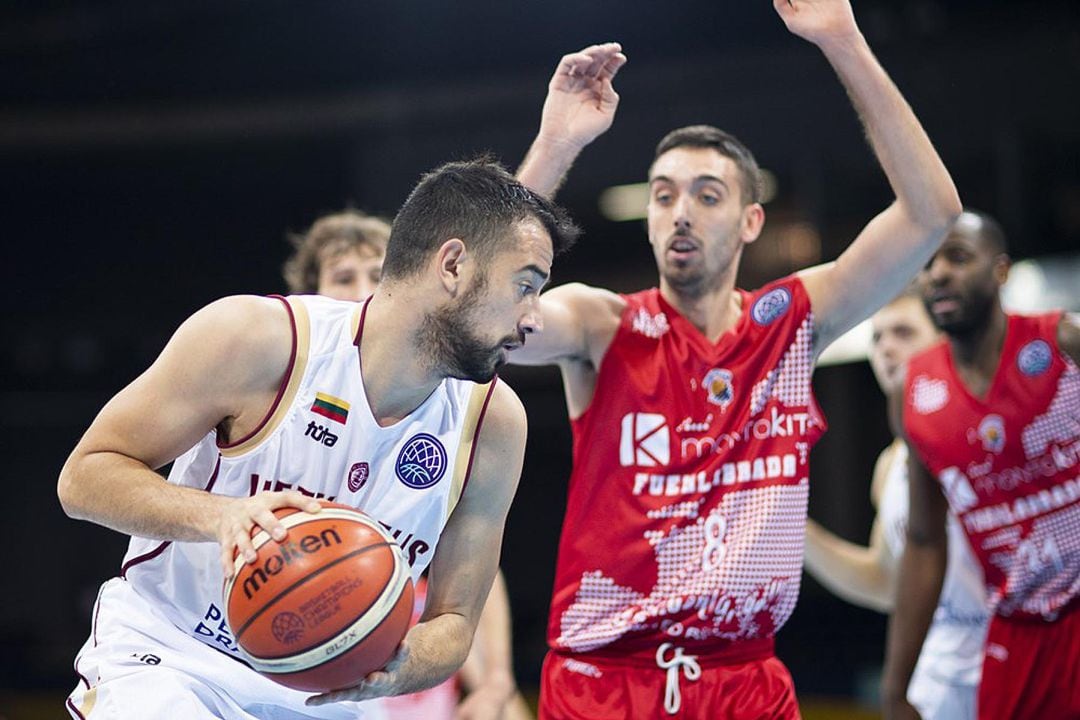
690,668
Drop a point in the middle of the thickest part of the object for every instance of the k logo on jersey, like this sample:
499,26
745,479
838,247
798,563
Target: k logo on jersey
645,440
717,384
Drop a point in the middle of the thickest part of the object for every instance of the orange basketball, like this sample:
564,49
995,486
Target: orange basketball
326,606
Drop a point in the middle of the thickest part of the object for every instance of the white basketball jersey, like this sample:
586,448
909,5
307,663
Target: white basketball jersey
953,650
320,438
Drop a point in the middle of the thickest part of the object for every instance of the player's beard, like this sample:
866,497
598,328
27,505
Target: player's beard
448,337
972,316
695,280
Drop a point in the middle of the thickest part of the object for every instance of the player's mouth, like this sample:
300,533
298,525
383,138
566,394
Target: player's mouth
682,247
944,303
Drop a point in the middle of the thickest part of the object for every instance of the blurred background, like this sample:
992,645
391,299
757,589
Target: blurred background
154,154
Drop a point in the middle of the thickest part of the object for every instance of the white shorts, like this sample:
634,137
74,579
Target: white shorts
938,699
138,665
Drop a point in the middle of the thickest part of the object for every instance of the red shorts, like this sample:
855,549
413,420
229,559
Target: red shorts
1031,669
749,683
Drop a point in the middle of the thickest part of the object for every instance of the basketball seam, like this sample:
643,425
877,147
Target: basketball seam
293,664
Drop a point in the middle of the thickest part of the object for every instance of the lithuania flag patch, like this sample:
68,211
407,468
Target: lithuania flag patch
330,407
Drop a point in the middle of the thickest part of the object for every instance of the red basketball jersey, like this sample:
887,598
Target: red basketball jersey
687,499
1008,463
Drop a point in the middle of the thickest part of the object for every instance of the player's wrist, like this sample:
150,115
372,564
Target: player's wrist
844,46
559,146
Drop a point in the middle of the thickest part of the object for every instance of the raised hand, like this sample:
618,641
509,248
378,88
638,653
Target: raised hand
240,515
581,100
819,21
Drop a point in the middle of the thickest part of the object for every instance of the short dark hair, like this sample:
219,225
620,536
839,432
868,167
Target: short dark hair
707,136
476,200
331,235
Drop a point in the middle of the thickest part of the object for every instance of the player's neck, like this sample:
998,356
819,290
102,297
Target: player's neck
976,354
396,379
713,312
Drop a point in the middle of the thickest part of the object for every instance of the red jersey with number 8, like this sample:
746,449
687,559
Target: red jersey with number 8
1008,463
687,500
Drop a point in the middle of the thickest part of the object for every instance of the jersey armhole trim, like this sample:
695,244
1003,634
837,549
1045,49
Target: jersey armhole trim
470,432
290,384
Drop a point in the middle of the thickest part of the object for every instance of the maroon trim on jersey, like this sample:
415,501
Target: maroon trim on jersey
145,557
360,325
476,435
72,708
281,388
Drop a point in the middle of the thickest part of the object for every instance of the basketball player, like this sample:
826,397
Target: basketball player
692,413
232,399
341,256
947,675
992,416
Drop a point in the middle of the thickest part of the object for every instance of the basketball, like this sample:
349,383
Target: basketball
327,605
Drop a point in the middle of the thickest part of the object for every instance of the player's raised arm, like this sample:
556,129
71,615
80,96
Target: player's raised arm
896,243
580,106
464,565
221,368
921,574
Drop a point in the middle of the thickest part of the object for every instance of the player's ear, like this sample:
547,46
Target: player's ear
449,260
753,219
1002,265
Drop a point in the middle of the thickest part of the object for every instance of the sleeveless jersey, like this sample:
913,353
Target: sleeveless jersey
687,499
1008,463
953,650
319,438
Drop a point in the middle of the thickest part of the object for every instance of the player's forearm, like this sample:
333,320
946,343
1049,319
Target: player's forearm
546,164
918,176
437,648
922,571
852,572
489,666
123,494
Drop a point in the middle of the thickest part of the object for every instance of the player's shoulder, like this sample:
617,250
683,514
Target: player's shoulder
504,420
253,330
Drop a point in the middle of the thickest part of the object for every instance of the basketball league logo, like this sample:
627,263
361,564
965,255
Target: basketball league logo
358,475
717,384
992,433
1034,358
421,462
770,306
287,627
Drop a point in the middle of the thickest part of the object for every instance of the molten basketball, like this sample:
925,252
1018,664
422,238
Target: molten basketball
324,607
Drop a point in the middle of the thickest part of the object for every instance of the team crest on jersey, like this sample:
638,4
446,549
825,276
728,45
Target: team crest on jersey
1034,358
992,433
649,325
929,395
717,384
358,475
770,306
421,462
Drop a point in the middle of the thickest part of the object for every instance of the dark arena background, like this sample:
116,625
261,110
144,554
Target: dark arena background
155,154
